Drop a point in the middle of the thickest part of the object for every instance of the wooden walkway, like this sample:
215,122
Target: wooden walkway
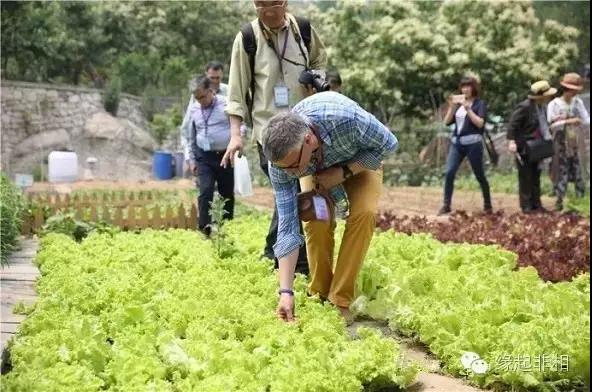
17,284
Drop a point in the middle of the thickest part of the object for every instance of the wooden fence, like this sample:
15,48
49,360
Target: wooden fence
127,211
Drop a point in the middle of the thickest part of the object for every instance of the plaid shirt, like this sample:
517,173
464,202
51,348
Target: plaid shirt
349,134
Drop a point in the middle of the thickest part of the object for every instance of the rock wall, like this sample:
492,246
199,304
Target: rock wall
40,118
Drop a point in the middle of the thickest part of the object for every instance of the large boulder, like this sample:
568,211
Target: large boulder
104,126
123,150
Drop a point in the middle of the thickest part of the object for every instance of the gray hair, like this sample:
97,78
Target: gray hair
284,132
201,82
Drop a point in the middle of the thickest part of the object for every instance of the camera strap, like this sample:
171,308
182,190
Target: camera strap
269,40
250,46
319,156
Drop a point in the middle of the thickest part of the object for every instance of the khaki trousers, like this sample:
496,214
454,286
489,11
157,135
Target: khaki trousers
337,282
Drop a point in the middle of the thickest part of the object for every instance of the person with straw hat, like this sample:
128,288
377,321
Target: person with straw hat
566,115
529,123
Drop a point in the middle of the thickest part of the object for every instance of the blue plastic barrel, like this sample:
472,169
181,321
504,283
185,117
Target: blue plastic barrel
162,165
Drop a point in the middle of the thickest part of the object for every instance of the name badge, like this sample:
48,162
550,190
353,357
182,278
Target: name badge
281,96
321,208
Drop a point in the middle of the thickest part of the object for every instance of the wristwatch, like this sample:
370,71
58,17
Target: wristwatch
286,291
347,173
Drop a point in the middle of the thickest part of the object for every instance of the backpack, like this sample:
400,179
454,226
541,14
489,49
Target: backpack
250,46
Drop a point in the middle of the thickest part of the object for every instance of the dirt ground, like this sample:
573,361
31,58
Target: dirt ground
398,200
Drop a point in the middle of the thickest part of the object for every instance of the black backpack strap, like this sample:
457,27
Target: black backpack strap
305,33
250,46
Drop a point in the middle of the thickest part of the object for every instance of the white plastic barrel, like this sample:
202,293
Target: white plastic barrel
62,166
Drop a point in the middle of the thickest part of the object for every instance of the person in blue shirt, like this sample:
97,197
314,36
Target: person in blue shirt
467,112
215,72
209,136
331,140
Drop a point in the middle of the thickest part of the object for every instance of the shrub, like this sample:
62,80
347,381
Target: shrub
163,124
149,102
68,224
112,95
11,208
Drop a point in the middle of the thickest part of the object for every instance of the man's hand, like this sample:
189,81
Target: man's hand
512,146
330,177
285,309
235,144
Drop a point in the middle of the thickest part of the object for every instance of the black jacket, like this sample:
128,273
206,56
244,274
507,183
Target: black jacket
480,109
524,123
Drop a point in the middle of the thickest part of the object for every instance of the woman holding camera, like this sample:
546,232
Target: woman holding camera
467,112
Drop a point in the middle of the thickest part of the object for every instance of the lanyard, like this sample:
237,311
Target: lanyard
319,156
280,56
203,116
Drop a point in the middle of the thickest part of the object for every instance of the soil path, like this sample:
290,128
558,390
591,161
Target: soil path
398,200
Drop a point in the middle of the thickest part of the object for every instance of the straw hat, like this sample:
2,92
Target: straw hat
572,81
541,89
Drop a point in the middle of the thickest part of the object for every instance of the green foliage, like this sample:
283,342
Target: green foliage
145,43
174,76
159,311
149,103
581,205
66,223
470,298
404,58
21,308
11,209
136,71
573,13
218,226
165,124
111,95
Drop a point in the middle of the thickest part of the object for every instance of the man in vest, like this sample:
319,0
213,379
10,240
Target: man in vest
268,56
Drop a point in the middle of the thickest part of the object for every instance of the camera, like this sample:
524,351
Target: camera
315,79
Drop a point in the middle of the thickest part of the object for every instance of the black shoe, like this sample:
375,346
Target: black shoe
444,210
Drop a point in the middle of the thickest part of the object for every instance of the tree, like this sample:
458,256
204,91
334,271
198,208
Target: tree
403,58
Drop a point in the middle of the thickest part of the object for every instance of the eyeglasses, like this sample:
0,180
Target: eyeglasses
295,166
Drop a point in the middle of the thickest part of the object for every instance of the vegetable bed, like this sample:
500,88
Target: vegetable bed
159,311
557,245
162,311
456,299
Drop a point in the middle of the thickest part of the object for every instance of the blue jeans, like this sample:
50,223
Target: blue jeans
456,154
